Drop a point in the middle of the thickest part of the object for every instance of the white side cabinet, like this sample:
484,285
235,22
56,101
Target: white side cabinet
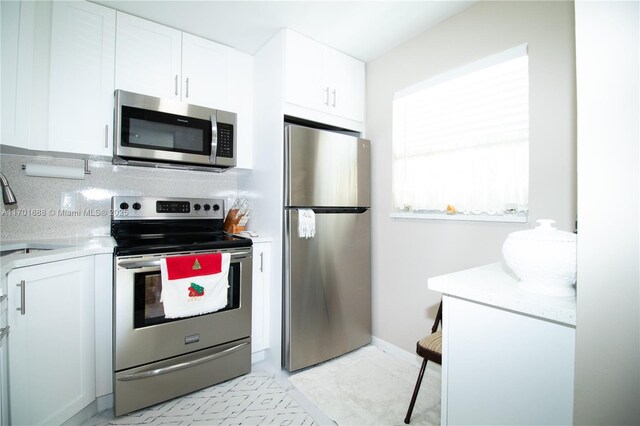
503,367
260,297
322,79
81,79
241,101
51,341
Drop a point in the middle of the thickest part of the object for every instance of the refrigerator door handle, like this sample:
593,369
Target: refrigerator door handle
333,210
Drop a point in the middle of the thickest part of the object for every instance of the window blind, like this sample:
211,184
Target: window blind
461,139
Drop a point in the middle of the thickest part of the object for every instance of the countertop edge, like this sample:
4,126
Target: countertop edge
496,286
70,248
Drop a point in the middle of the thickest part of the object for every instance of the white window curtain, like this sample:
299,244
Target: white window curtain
461,139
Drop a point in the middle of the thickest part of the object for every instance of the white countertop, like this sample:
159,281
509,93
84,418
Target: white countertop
255,237
52,251
495,285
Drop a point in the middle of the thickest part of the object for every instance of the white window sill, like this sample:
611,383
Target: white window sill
460,216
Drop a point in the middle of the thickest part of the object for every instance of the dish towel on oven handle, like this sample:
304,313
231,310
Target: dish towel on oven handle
194,284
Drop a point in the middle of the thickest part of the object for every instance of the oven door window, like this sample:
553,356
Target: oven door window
148,309
167,132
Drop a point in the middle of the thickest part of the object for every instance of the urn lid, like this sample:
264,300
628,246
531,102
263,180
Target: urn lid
545,231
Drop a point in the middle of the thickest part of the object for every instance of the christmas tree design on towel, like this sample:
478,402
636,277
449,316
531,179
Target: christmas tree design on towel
194,284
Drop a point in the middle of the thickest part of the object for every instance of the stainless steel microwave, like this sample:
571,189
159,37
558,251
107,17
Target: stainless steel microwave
158,132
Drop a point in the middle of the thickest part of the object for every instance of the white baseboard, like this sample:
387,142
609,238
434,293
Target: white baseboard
83,415
257,357
100,404
398,352
105,402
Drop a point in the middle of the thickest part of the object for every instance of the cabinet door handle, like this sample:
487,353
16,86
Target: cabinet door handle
187,88
261,261
176,84
333,92
23,294
326,96
106,136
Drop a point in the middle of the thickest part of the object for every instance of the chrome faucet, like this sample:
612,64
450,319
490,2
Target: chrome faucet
8,197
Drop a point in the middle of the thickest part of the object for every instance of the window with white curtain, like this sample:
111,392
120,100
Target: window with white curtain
461,142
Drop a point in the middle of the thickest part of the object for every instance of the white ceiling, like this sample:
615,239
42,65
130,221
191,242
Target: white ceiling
362,29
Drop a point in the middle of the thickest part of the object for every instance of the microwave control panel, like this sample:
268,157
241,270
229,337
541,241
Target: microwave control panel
225,140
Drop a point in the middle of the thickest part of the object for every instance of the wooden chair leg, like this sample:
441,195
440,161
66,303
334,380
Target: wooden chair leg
415,392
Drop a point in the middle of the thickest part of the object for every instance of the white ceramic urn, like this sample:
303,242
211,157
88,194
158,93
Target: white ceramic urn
544,258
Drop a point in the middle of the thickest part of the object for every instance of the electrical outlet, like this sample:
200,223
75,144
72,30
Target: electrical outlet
67,201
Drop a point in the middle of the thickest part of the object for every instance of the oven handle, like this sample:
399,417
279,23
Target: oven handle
134,264
180,366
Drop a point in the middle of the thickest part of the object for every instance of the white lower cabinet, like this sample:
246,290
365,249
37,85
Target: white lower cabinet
260,297
4,335
52,374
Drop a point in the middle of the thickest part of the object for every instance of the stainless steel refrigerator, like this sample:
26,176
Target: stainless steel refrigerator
327,278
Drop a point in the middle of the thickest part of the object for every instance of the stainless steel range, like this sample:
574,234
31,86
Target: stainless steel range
156,358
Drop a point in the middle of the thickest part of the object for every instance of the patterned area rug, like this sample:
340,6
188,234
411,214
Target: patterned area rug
370,387
257,398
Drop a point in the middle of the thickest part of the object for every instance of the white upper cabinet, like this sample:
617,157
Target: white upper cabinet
18,26
159,61
304,82
81,78
322,79
204,72
345,81
148,57
58,81
155,60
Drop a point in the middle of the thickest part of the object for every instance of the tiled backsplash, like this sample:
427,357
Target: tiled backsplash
38,213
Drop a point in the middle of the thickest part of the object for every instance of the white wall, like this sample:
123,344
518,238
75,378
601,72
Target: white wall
607,384
407,252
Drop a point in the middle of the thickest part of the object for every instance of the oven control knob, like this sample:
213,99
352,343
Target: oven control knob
196,207
136,206
216,207
124,206
207,207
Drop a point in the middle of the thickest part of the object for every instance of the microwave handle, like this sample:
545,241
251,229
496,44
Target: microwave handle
214,139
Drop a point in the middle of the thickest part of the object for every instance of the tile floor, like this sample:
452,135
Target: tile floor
262,397
269,397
